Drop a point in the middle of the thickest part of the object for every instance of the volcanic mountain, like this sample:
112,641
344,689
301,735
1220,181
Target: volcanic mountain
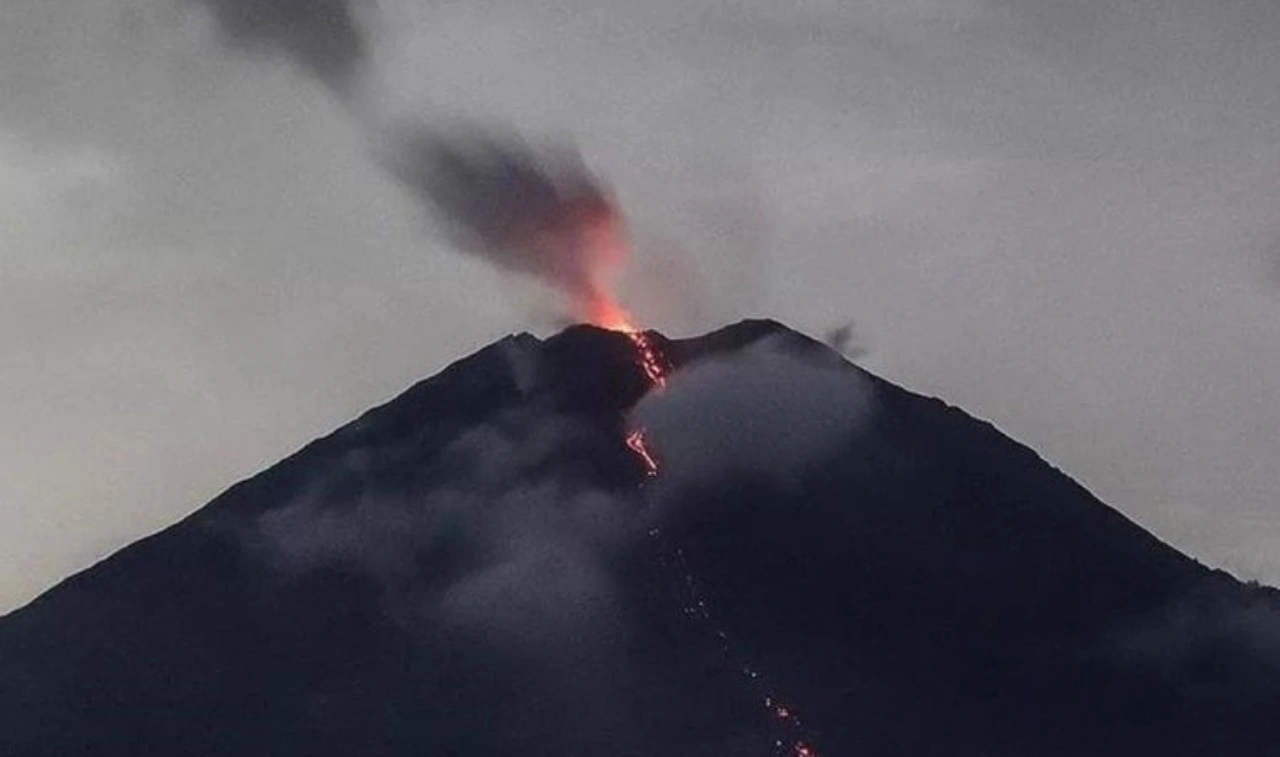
539,552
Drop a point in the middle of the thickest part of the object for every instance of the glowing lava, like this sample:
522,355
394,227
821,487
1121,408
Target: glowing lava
600,244
690,596
604,311
601,241
652,361
637,443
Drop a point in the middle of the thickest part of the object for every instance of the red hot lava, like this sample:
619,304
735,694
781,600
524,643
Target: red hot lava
654,364
597,242
637,443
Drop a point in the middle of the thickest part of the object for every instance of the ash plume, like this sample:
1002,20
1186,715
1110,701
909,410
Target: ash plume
536,212
320,36
844,339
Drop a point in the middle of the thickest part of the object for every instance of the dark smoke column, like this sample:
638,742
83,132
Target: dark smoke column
535,212
320,36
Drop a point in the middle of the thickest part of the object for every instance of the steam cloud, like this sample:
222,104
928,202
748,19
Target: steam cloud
534,212
843,339
512,540
508,550
495,530
772,410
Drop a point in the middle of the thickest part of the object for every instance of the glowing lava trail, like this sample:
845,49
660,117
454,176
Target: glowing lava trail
791,740
652,361
598,244
636,442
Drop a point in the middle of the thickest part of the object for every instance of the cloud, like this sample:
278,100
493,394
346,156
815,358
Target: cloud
505,541
1191,635
547,580
507,553
535,211
508,538
843,339
772,410
1218,643
321,36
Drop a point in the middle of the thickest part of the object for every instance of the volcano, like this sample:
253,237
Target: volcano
805,560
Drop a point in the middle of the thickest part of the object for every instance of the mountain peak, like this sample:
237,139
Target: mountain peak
482,565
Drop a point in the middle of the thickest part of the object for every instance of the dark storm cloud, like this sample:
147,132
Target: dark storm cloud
771,410
321,36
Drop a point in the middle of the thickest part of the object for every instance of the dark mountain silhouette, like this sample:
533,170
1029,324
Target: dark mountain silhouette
421,582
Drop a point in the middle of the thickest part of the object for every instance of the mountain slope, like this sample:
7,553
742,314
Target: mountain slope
469,569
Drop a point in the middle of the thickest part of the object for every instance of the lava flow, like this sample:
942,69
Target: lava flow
690,596
639,445
607,313
594,224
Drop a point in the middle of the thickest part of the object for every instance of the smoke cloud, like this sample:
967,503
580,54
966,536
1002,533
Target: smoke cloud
843,339
1184,634
320,36
536,212
511,542
507,552
772,410
508,544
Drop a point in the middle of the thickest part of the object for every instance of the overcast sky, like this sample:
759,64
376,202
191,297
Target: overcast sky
1063,216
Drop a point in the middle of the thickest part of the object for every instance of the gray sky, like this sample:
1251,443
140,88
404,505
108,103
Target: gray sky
1060,215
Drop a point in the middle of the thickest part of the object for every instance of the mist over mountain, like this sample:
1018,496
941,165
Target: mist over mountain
482,566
